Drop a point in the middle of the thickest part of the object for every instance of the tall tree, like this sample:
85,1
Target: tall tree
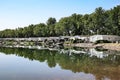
115,16
99,20
39,30
66,26
51,21
78,23
51,26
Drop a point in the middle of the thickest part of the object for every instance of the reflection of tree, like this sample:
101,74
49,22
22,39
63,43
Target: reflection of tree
101,67
51,60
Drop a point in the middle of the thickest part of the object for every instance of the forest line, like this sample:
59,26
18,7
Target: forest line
101,21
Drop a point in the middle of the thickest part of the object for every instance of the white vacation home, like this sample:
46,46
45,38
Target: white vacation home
112,38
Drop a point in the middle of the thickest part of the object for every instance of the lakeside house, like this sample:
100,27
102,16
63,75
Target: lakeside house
111,38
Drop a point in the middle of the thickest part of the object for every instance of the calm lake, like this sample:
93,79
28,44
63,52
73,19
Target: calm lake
59,64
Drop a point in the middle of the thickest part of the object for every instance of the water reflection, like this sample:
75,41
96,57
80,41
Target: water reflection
97,65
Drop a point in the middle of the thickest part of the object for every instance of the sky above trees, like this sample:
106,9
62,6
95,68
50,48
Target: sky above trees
21,13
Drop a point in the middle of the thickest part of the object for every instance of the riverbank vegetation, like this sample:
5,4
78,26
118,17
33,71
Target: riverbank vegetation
99,22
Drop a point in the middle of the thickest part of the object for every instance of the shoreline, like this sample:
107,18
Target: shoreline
109,46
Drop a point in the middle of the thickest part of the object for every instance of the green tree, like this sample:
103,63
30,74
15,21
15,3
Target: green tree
39,30
115,17
78,23
51,26
51,21
66,27
99,20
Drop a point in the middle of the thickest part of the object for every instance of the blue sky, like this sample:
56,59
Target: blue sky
21,13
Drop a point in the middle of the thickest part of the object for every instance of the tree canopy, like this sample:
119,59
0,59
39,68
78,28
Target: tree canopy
104,22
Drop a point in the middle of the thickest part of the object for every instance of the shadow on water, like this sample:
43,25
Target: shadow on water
99,63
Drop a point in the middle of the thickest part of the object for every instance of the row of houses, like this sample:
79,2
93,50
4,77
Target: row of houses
94,38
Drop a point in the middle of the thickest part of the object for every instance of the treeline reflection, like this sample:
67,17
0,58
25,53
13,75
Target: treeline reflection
107,66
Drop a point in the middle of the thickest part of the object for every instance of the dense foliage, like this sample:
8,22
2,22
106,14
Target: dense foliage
99,22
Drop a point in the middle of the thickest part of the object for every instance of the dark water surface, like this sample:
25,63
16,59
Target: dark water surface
62,64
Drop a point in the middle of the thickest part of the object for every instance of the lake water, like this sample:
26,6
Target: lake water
61,64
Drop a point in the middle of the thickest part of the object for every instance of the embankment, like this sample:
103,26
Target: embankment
110,46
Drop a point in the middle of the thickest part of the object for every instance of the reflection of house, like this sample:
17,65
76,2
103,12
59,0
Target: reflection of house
111,38
98,54
91,52
71,51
